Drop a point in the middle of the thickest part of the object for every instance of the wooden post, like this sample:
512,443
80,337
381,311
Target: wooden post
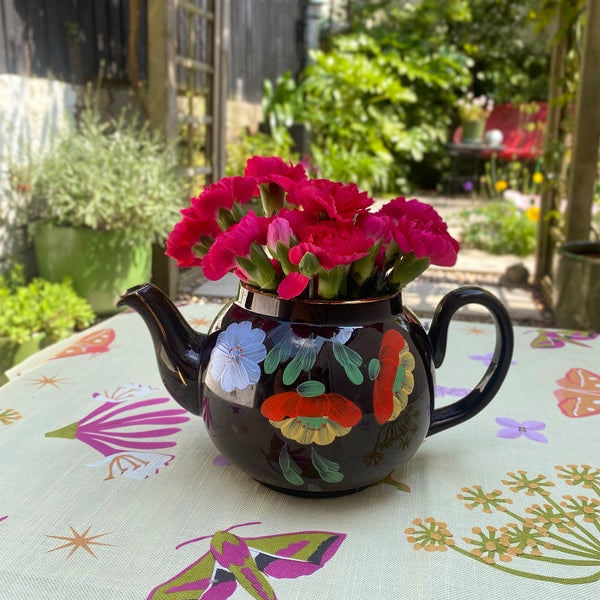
162,108
545,243
162,83
584,158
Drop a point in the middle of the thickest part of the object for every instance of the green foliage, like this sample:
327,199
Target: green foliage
107,178
505,41
382,97
513,175
372,105
40,307
259,144
499,228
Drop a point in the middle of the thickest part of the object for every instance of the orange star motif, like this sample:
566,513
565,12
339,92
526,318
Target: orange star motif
475,330
43,381
200,322
79,540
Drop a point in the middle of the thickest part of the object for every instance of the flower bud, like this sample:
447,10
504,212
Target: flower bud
309,264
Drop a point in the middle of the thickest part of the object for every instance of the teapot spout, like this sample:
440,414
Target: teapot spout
181,352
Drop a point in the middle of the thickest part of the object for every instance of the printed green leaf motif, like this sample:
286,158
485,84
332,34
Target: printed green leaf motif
291,471
350,360
310,389
303,361
374,366
328,469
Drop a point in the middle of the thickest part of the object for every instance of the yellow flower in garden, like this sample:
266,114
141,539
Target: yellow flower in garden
501,185
533,214
537,177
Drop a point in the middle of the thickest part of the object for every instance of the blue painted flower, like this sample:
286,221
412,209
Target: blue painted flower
236,355
513,429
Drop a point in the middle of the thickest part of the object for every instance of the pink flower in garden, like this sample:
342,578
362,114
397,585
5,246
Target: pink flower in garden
234,242
112,428
333,243
338,201
272,169
417,227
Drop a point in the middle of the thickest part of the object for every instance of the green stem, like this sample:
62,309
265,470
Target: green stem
562,561
554,536
573,581
594,541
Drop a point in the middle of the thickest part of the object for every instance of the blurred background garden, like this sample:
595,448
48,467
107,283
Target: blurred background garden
113,113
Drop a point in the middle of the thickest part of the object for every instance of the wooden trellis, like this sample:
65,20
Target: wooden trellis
584,158
187,88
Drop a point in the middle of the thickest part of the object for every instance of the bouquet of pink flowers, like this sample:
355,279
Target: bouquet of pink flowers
315,238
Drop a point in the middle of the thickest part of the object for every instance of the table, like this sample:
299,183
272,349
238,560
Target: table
109,490
472,153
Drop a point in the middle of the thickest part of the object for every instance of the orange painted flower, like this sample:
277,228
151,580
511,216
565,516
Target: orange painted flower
395,380
318,418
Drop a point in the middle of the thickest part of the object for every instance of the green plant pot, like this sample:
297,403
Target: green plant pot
577,286
472,131
12,353
101,265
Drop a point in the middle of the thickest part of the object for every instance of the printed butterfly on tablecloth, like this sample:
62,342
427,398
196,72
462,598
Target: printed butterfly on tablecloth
579,395
233,560
92,343
558,339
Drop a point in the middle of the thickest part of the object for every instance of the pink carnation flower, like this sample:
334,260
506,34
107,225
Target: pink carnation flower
236,241
333,243
338,201
417,227
272,169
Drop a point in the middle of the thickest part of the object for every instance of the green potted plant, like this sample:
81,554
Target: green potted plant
104,193
473,112
35,315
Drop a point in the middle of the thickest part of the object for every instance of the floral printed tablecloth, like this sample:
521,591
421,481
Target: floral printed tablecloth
110,490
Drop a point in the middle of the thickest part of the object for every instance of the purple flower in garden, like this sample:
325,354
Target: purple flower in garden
513,429
112,428
467,186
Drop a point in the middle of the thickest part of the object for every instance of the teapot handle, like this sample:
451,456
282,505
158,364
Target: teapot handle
486,389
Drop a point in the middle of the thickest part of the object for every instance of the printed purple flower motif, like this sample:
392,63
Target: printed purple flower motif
113,428
236,355
440,390
486,359
513,429
221,461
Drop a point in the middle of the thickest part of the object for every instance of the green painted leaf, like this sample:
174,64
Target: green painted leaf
399,379
279,353
303,361
374,366
328,469
310,389
350,361
291,471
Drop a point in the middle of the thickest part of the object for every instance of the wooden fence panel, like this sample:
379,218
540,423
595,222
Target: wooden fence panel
266,40
68,40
